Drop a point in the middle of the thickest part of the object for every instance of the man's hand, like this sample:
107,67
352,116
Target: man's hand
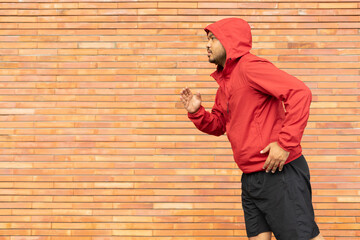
277,157
191,102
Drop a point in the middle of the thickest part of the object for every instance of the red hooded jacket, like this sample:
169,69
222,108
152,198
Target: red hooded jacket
250,101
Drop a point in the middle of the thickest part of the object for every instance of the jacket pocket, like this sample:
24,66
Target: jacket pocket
258,129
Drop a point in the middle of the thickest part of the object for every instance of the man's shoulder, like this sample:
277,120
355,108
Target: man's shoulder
251,62
251,58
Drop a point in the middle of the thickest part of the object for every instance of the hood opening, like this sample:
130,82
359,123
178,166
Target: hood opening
234,34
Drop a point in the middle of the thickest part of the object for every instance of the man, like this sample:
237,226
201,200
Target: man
263,111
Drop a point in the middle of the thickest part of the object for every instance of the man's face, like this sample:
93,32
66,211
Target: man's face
216,51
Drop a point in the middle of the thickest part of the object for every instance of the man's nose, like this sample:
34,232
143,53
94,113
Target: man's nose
208,45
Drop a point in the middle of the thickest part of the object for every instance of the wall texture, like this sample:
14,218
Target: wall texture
95,144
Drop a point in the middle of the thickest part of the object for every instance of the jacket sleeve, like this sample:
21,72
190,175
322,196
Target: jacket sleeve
263,76
211,123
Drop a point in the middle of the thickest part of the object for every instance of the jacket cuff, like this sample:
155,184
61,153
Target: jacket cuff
283,147
196,114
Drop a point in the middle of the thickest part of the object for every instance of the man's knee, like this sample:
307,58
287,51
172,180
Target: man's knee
262,236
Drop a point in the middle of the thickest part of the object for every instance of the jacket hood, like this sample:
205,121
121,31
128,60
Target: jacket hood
234,34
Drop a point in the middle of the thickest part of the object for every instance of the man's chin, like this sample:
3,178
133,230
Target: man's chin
212,61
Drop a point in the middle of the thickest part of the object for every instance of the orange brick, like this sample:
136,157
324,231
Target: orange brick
57,5
97,5
198,11
132,233
298,5
177,5
19,5
217,5
137,5
338,5
96,45
71,238
8,12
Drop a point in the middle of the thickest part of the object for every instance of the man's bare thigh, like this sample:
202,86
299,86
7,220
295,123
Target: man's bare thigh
262,236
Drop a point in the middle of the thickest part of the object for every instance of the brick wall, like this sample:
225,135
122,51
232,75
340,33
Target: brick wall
97,146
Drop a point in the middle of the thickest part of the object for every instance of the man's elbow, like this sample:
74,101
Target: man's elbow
219,132
308,93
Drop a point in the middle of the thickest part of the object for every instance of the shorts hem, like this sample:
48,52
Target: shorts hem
317,233
255,234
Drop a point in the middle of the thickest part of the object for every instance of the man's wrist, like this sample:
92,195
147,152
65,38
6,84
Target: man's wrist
194,111
197,113
282,147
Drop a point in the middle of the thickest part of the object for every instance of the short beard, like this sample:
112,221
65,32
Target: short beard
213,61
217,61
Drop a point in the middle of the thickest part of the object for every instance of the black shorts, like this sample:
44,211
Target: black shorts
280,202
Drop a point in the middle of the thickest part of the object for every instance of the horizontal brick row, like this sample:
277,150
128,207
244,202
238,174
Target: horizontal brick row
191,32
167,16
166,65
170,45
140,9
157,71
174,25
178,4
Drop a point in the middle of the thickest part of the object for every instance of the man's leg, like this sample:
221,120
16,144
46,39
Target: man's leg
262,236
319,237
284,200
255,221
267,236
